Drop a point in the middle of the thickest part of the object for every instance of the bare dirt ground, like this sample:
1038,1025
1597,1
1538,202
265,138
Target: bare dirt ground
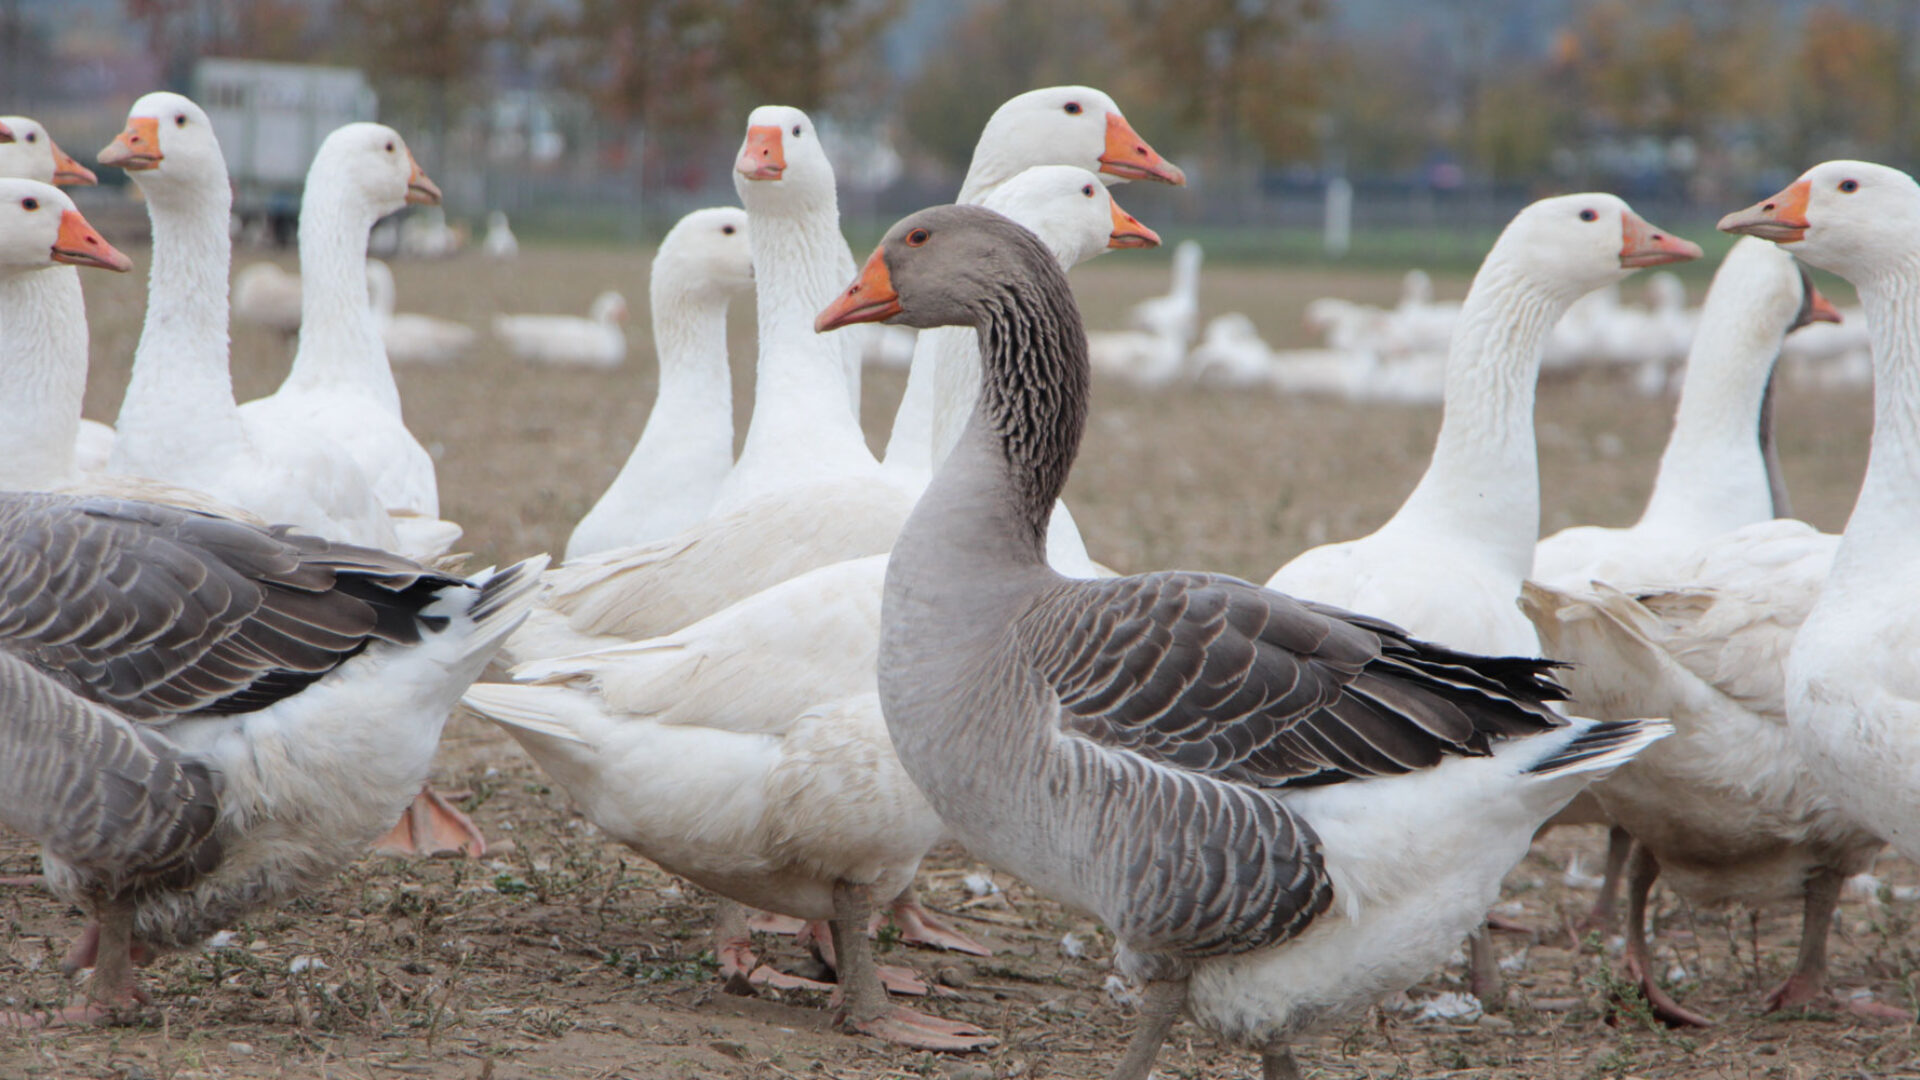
570,957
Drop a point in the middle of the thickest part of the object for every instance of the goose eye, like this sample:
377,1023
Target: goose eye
1073,108
30,204
389,147
728,229
1589,215
180,120
1849,186
1087,191
796,131
917,237
33,136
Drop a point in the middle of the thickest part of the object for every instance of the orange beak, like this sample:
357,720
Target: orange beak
1644,245
1819,308
1781,219
421,190
1129,233
67,172
136,148
1129,157
764,157
870,299
80,245
6,134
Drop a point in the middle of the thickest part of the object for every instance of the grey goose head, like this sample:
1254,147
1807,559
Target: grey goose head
943,266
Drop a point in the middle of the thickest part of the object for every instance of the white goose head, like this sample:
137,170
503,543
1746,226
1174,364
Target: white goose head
168,146
1070,211
1578,243
1063,125
39,227
609,308
27,151
372,161
708,249
1854,218
781,162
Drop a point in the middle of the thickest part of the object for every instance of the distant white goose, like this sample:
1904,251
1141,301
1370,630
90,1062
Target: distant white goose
410,338
1176,314
341,381
670,479
311,679
178,422
28,152
1852,707
1130,746
596,341
500,242
267,296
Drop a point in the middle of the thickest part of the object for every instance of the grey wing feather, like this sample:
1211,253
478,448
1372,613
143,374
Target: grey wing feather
115,801
156,610
1226,679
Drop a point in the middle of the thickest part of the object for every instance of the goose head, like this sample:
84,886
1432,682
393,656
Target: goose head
608,308
39,227
28,151
1575,244
1063,125
1854,218
1070,211
707,250
372,162
781,161
936,268
168,146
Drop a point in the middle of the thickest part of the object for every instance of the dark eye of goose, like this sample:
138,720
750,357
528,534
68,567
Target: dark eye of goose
389,147
1588,215
1849,186
796,131
33,136
180,120
917,237
1087,191
728,229
1073,108
30,204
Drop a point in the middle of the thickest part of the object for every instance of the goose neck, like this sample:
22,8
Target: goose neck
1713,472
694,404
340,343
1482,486
181,385
1881,534
43,375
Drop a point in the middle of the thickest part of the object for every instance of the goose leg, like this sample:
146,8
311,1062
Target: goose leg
918,926
1279,1065
1160,1005
896,979
863,1000
1483,975
1619,844
433,826
113,985
1642,870
1808,983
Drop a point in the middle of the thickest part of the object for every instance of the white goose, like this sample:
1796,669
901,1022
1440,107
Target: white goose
311,678
500,243
1131,745
28,152
596,341
178,422
1852,706
411,338
341,382
669,481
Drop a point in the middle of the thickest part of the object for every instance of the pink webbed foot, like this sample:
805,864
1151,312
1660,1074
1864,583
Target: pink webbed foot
1661,1004
433,826
909,1027
766,922
1799,992
918,926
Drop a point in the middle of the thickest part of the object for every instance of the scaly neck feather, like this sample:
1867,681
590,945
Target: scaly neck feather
43,376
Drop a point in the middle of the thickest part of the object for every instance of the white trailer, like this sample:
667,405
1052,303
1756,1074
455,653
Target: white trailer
271,118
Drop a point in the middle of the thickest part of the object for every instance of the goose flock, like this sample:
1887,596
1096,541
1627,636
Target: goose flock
231,632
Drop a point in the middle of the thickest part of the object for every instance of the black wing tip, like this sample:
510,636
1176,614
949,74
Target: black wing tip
1598,740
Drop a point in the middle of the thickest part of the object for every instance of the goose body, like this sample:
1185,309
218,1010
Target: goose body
266,296
341,382
1106,740
313,678
596,341
671,478
411,338
1852,707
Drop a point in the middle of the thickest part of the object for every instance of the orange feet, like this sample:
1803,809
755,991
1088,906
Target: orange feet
433,826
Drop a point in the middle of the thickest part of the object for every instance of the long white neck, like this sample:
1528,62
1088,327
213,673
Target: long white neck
340,343
688,440
1713,475
800,393
1483,485
43,375
1884,531
180,395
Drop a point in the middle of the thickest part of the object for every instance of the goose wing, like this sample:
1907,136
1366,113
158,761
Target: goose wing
154,610
1220,677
